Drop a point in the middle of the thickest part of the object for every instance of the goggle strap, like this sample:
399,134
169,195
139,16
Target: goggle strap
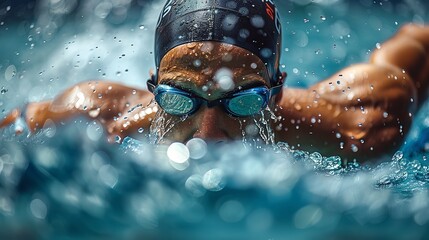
151,85
275,90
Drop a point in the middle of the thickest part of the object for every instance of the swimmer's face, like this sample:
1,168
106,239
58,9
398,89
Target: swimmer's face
210,70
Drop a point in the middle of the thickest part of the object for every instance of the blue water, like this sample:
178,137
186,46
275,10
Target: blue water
67,182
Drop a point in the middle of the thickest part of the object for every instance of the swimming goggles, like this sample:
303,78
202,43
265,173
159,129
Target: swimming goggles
243,103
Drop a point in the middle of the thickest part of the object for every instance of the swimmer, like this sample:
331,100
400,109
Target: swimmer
217,71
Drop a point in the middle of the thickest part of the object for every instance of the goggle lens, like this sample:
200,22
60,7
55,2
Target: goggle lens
241,104
246,105
174,103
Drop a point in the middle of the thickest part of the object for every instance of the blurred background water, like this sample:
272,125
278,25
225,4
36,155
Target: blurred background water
67,182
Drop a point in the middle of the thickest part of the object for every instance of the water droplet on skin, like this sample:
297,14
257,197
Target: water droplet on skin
141,26
378,45
306,20
297,106
94,113
323,18
354,148
197,63
191,45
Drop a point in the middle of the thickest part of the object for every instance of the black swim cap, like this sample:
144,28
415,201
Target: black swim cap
251,24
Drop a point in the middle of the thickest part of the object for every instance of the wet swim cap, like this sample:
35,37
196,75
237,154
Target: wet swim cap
251,24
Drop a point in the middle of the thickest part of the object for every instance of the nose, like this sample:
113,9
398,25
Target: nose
212,125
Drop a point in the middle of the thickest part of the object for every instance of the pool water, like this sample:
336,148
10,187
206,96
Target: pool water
67,182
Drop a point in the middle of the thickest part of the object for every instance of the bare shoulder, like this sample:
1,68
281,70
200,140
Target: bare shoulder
361,111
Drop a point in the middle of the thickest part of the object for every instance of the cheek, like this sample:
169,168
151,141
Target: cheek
181,130
249,128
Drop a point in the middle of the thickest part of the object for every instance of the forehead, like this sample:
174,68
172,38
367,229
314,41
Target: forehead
200,61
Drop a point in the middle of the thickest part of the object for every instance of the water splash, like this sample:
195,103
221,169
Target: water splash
162,124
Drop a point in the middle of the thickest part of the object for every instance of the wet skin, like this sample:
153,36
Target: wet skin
178,69
361,112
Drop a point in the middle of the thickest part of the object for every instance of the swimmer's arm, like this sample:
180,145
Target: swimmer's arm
351,114
107,102
365,110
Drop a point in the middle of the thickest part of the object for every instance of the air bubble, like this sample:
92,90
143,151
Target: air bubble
94,131
10,72
224,77
108,175
38,208
197,148
231,211
178,152
3,90
213,180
